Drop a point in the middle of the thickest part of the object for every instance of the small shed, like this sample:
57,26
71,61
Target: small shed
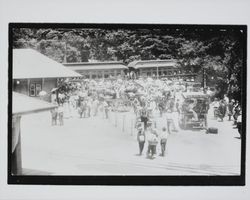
34,72
22,105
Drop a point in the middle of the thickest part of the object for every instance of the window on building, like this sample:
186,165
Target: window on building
38,89
35,89
32,89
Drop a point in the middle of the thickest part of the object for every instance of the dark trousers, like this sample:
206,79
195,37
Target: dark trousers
54,119
163,147
106,113
141,147
151,149
169,122
239,127
145,121
235,116
60,119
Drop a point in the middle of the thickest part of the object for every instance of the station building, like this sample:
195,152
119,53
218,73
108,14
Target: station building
95,70
34,72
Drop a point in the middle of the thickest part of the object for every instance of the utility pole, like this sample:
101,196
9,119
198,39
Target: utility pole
204,80
65,53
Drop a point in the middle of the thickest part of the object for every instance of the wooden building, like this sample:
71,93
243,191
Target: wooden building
97,70
34,72
161,69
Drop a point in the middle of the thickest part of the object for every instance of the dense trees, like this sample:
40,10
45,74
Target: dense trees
220,52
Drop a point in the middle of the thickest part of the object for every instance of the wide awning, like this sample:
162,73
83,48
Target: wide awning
22,104
95,66
28,63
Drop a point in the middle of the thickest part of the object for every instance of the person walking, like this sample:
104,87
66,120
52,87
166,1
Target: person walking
82,108
230,108
54,117
152,143
236,114
222,110
163,140
191,107
144,116
170,121
171,104
226,99
239,122
215,106
88,107
60,114
106,109
141,139
161,107
95,106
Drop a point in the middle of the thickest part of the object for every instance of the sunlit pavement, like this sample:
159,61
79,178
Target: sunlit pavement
98,146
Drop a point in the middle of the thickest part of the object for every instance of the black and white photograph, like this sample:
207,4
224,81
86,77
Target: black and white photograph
132,99
127,100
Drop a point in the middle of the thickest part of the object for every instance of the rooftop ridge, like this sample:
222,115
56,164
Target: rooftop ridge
94,63
137,62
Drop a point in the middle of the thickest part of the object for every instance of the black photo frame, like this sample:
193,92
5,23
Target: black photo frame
121,179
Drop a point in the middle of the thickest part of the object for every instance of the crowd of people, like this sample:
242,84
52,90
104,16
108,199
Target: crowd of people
153,138
146,97
228,107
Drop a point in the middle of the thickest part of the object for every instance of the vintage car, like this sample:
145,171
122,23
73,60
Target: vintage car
193,111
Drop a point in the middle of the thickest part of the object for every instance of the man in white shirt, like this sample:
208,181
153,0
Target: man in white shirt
170,121
152,143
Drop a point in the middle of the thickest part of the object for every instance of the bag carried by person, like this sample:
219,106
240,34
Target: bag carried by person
141,138
212,130
152,140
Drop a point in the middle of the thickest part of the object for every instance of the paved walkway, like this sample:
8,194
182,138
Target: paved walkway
98,146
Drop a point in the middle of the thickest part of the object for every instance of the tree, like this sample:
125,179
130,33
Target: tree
219,52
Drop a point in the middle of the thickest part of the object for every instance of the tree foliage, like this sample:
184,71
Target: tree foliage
220,52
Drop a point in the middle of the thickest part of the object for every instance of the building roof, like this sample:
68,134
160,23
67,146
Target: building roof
152,63
22,104
95,65
29,63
